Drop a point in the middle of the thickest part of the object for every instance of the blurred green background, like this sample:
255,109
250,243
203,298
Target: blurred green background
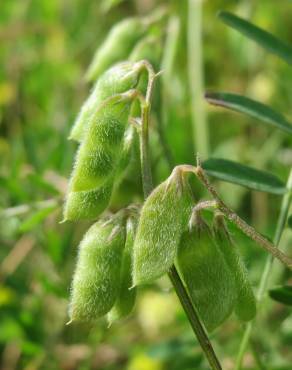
45,48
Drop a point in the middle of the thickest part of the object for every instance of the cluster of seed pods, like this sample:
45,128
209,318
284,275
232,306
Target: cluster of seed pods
131,248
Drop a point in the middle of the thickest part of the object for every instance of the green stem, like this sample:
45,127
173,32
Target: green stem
144,153
194,319
196,78
173,274
267,269
147,181
239,222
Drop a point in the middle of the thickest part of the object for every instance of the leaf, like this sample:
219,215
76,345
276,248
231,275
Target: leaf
246,176
289,221
282,294
250,107
36,218
260,36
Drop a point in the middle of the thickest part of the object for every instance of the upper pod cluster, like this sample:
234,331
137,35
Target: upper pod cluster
105,140
97,159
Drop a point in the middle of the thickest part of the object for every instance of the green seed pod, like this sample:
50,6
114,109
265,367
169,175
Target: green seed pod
130,138
116,80
126,298
97,159
160,227
208,279
96,281
87,204
117,46
245,307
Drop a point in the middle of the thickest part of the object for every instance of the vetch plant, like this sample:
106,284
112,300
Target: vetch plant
168,235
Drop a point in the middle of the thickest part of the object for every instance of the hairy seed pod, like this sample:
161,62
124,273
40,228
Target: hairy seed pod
245,307
116,80
117,46
97,158
87,204
208,279
126,298
160,227
96,280
130,138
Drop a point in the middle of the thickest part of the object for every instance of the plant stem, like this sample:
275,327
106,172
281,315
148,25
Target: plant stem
144,135
267,269
194,319
144,153
173,274
241,224
196,78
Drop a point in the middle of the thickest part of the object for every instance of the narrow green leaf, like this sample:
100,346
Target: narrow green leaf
36,218
250,107
289,221
260,36
246,176
282,294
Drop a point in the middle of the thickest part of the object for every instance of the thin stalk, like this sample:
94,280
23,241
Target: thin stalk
194,319
144,153
240,223
173,274
267,269
147,181
196,78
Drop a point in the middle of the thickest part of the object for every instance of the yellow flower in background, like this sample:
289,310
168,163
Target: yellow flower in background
156,310
144,362
7,93
7,296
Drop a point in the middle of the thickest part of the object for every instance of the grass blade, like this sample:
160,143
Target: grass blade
36,218
250,107
260,36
